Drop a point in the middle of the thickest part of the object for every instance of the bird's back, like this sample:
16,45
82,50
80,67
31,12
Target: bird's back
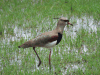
41,40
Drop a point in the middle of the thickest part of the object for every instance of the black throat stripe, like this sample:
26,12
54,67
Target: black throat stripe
59,38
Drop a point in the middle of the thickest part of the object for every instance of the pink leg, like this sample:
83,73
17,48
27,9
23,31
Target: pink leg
37,56
50,59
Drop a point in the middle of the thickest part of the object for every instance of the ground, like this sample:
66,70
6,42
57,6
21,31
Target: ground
77,54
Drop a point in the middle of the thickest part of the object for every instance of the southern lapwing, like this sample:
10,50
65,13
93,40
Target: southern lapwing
48,39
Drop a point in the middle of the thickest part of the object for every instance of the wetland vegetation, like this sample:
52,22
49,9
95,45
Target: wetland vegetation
77,54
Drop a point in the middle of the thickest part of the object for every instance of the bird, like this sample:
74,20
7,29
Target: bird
48,39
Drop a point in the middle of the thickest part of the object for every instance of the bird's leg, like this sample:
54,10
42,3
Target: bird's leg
50,59
37,56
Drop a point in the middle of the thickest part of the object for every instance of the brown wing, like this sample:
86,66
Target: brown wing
39,41
53,38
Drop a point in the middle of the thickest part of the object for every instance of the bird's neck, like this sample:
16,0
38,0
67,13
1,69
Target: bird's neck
60,27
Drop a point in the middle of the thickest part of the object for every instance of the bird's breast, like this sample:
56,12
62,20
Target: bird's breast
59,38
53,43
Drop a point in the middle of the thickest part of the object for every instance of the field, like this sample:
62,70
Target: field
77,54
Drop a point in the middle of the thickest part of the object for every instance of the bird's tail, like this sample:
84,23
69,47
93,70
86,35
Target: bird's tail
26,45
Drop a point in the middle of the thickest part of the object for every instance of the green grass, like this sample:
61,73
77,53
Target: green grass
32,15
91,62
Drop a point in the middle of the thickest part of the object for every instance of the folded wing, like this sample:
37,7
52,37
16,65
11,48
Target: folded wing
39,41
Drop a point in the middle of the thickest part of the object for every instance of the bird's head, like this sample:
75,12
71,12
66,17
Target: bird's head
64,20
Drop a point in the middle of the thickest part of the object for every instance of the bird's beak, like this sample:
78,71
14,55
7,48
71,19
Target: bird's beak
68,23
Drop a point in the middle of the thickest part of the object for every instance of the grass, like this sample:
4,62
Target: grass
31,15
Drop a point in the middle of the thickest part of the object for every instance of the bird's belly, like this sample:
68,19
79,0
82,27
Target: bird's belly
51,44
